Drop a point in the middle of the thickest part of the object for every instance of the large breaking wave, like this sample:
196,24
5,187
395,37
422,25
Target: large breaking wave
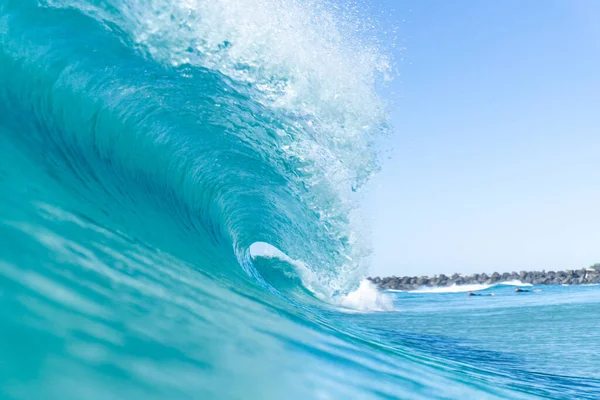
246,121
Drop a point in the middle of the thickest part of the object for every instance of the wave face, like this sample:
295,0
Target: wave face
147,147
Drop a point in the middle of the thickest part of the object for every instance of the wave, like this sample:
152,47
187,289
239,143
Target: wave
179,184
467,288
219,113
583,284
515,282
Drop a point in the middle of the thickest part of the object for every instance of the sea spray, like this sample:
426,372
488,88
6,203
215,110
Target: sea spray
367,298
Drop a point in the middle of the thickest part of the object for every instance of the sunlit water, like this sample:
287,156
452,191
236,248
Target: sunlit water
146,145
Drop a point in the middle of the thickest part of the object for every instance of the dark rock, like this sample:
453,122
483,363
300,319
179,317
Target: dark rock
522,275
567,277
386,285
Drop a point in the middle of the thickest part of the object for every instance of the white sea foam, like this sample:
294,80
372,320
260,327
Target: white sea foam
452,289
514,282
465,288
367,298
584,284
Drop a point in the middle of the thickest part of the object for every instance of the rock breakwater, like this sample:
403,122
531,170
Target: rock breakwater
567,277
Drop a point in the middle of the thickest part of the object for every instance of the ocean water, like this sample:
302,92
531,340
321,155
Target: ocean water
178,219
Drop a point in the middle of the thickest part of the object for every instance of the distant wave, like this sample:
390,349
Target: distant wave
585,284
463,288
514,282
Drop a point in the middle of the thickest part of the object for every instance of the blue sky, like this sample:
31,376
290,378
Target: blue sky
496,152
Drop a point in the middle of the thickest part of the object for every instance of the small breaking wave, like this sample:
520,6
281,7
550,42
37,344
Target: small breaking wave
514,282
464,288
584,284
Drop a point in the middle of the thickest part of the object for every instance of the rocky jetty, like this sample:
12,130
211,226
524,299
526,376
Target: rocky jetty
568,277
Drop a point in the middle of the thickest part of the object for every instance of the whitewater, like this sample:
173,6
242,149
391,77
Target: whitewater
466,288
179,191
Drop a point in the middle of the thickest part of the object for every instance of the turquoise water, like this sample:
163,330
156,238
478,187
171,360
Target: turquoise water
148,145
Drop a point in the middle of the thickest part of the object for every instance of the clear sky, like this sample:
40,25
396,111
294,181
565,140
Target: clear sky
496,160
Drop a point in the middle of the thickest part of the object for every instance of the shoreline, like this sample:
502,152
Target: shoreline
584,276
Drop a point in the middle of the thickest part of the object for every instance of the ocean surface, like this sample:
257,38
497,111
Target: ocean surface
179,183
